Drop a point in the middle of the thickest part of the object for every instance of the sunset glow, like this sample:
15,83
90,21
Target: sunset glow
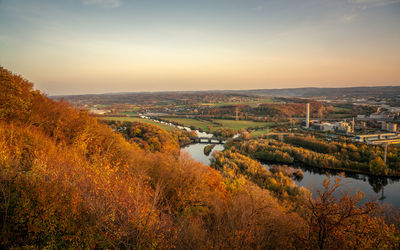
97,46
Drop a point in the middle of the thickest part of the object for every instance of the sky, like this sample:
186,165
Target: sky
102,46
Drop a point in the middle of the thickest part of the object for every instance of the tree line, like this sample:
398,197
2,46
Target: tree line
318,153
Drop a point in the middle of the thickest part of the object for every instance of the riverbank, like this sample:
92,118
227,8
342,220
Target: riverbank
341,156
384,189
332,169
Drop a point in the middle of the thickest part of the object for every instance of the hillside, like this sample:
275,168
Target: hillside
381,91
68,181
187,97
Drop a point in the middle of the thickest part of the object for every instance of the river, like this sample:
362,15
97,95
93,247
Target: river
386,190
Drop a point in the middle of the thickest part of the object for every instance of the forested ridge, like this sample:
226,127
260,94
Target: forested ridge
314,152
68,181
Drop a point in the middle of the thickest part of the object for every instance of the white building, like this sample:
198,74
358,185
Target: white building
375,137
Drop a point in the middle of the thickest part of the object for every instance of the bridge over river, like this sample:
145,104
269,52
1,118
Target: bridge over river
209,140
222,140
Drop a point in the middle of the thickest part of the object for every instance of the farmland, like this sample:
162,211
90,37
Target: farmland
233,124
138,119
190,122
259,132
217,123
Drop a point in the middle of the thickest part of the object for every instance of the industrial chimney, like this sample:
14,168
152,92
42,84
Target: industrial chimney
307,115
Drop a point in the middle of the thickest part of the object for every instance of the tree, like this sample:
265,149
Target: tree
378,167
15,96
336,220
224,132
245,135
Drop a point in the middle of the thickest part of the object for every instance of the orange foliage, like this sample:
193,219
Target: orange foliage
153,138
67,181
342,223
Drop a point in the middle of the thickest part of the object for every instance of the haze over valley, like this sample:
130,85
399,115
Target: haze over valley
213,124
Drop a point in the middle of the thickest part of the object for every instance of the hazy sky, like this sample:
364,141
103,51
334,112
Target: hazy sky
97,46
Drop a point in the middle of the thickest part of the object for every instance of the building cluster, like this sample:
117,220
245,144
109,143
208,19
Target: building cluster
378,139
339,127
384,121
349,127
380,116
389,126
381,120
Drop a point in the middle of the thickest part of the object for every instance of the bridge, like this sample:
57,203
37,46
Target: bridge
209,140
222,140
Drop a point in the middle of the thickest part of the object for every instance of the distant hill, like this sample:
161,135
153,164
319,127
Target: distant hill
381,91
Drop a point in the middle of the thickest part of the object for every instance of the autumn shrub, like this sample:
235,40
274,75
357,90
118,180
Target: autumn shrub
68,181
338,220
235,165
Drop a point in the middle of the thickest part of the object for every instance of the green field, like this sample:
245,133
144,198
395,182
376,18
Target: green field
203,124
188,122
138,119
341,109
338,116
253,103
241,124
236,125
128,113
260,132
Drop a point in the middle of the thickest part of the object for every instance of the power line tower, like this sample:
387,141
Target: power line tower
291,124
237,113
385,155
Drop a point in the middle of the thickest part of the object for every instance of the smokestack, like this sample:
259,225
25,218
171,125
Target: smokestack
307,115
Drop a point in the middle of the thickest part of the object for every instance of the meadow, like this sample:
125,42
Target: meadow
262,128
138,119
259,132
252,103
190,122
233,124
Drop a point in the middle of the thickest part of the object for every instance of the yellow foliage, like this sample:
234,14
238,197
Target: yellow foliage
67,181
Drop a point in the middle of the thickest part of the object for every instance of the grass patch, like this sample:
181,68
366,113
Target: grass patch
233,124
253,103
138,119
340,116
128,113
260,132
341,109
188,122
203,124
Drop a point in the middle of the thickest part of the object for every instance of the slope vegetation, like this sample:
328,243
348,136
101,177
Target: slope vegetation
69,181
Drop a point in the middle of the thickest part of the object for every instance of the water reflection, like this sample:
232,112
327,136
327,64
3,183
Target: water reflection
197,152
298,178
385,189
